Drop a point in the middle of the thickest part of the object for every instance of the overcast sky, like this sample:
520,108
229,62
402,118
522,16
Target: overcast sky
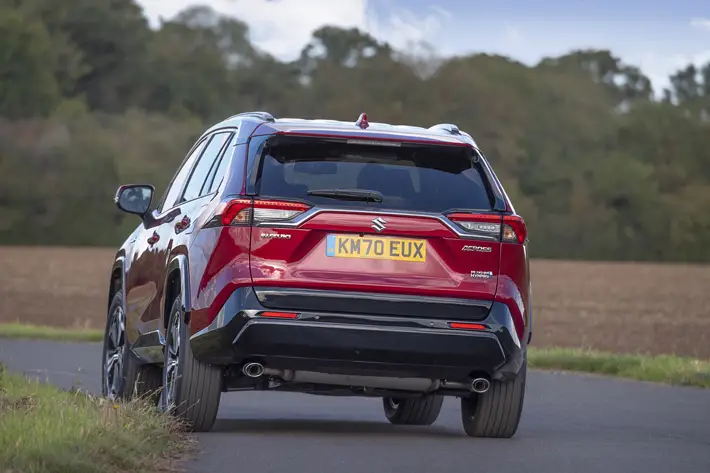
660,36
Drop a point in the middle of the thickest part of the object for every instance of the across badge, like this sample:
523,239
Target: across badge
372,247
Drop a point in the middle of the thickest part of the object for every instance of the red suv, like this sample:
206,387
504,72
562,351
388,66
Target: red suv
325,257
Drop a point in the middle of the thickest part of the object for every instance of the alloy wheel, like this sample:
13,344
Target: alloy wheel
172,362
113,357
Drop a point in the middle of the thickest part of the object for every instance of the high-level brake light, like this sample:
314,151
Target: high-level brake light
362,121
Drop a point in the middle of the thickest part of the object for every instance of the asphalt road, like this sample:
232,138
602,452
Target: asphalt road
571,423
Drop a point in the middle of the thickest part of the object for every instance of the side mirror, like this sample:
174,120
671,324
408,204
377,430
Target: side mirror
135,198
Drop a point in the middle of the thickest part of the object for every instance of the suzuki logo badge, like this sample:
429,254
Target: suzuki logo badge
378,224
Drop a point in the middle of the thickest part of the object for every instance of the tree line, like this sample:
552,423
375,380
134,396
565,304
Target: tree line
599,164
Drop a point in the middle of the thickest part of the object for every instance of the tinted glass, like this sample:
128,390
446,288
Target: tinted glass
202,169
176,186
427,179
217,173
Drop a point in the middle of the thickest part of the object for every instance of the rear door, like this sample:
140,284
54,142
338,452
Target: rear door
374,218
145,279
199,191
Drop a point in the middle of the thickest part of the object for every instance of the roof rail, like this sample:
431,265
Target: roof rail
447,127
265,116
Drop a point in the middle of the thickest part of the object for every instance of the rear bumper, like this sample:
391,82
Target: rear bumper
361,343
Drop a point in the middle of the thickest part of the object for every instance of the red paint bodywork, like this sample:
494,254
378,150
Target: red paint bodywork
221,259
227,258
301,261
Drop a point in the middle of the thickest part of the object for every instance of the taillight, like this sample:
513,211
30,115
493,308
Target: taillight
246,211
236,212
277,211
484,223
509,228
514,229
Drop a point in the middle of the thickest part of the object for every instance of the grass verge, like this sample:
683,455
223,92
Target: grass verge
662,368
44,429
41,332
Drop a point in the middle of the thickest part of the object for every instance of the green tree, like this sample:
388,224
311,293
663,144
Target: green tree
27,85
102,47
598,167
623,82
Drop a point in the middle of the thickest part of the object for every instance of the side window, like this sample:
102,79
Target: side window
217,174
203,166
176,186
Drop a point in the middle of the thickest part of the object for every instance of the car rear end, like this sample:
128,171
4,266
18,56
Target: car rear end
376,262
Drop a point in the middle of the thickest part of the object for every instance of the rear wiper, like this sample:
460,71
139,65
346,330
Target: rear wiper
348,194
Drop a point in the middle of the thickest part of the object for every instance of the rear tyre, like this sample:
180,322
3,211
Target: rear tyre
192,389
418,411
123,375
495,413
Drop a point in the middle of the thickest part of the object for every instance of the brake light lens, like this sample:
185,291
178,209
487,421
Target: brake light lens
508,228
277,211
245,212
488,224
236,212
514,229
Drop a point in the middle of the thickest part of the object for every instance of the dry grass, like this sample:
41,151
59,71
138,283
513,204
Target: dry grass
44,429
616,307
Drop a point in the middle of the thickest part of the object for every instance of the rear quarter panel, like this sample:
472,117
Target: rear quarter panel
219,263
514,286
219,257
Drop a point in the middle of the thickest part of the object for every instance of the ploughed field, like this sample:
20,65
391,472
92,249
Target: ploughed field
618,307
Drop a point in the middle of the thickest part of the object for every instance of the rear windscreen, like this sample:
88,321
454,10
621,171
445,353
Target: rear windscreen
423,179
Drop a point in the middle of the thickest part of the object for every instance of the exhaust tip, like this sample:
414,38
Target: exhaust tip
480,385
253,370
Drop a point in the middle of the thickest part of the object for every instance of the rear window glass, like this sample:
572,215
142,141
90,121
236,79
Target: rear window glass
424,179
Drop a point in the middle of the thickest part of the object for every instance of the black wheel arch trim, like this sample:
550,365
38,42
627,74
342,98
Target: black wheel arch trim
530,315
179,262
118,263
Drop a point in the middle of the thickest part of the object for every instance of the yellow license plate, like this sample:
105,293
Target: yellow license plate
372,247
